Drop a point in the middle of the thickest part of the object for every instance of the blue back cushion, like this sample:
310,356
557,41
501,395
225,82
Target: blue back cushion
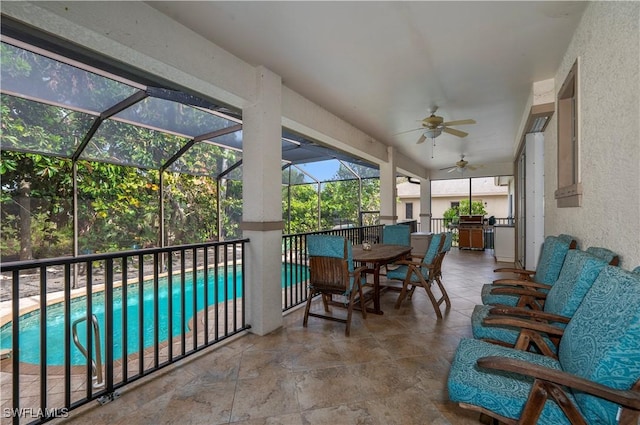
578,273
432,251
551,259
396,234
329,246
602,340
448,237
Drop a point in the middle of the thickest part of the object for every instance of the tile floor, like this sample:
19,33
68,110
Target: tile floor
391,370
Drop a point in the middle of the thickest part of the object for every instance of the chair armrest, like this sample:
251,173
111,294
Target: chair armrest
520,292
522,272
520,282
524,312
359,270
626,398
533,325
414,264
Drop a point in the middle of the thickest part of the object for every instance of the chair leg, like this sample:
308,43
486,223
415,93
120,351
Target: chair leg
325,302
434,302
352,297
307,308
362,303
403,291
445,296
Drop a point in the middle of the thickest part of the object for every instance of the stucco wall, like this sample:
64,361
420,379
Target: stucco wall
607,42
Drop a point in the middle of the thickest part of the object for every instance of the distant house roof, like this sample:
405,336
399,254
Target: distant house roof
455,187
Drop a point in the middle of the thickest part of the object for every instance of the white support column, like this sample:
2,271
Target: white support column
388,207
425,205
262,202
534,197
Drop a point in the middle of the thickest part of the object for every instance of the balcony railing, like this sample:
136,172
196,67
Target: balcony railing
294,257
149,307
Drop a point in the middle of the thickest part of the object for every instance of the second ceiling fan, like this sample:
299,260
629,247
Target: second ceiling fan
460,166
435,125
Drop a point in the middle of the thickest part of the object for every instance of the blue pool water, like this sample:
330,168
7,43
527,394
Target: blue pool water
30,323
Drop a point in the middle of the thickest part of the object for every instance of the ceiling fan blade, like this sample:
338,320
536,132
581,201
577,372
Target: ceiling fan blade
455,132
409,131
459,122
448,168
453,169
471,167
421,139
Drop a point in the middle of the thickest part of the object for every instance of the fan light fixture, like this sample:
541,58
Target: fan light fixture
432,133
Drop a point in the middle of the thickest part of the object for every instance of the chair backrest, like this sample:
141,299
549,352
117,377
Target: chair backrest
579,271
444,248
554,251
330,246
396,234
448,238
602,341
606,254
435,246
330,262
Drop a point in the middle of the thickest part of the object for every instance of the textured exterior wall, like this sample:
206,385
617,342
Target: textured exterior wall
607,41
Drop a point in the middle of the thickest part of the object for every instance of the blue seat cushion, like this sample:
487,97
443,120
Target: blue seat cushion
504,393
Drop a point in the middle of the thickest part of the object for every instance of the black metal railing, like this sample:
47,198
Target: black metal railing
294,258
439,225
152,307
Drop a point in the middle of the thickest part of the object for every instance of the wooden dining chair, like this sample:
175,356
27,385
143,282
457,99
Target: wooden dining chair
421,272
331,272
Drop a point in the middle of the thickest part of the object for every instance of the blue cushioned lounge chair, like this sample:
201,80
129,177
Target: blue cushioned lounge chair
595,380
521,327
331,272
554,251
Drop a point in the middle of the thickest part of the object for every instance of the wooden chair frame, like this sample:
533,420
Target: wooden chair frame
415,267
330,276
552,384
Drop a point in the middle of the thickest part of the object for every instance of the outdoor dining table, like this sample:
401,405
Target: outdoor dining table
378,256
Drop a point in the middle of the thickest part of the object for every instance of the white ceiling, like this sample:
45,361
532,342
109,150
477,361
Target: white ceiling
382,65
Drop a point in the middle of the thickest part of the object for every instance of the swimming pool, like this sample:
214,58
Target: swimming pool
227,286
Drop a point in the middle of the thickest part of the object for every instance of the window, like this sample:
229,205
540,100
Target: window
455,204
569,192
409,211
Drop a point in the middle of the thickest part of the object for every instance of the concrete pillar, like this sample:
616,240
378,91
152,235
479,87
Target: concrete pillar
262,202
534,198
425,205
388,207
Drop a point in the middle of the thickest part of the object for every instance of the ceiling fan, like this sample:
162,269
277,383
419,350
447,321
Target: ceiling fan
434,126
461,166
